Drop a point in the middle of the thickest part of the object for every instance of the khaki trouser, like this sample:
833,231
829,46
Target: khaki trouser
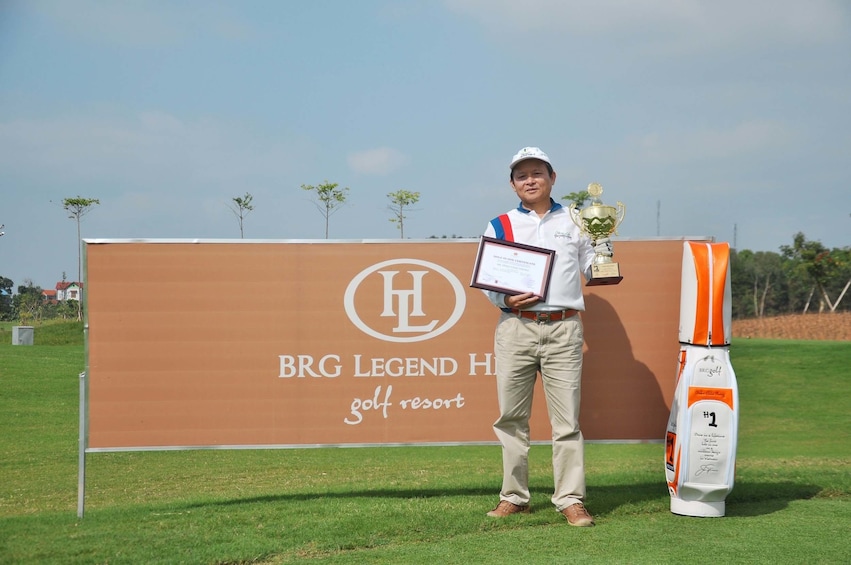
523,347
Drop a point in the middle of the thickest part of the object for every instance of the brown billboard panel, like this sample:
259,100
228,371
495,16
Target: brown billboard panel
297,343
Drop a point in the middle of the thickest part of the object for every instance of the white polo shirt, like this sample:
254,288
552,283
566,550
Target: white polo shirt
574,253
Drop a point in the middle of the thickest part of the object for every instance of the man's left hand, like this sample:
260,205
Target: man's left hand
604,247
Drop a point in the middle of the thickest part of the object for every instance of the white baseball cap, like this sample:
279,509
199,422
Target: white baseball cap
529,153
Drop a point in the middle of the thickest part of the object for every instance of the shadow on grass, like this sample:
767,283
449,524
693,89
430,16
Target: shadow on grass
747,499
371,493
757,499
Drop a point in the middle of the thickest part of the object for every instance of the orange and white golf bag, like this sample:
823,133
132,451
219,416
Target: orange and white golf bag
700,444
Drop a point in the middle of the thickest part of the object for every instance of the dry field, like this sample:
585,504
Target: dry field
828,326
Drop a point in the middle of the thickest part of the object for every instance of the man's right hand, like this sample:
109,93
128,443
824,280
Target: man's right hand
521,301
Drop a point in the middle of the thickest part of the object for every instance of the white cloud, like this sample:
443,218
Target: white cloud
380,161
139,23
155,151
744,140
669,27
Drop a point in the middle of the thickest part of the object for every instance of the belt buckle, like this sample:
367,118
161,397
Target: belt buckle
542,317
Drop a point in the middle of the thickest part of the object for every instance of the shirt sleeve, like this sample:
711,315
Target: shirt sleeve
497,298
586,255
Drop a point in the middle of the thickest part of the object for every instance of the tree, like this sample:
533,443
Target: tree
766,275
329,199
77,208
67,309
6,286
823,267
741,273
842,282
577,199
759,284
29,303
242,208
399,201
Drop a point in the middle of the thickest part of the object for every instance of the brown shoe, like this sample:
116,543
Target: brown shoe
577,515
505,508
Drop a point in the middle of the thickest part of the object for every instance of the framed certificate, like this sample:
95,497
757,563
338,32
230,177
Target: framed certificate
512,268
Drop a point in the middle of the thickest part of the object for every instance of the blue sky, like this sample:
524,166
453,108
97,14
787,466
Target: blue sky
730,119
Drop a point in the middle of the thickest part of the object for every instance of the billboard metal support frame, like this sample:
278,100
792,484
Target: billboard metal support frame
81,475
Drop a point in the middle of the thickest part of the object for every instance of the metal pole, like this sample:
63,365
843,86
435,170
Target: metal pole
81,476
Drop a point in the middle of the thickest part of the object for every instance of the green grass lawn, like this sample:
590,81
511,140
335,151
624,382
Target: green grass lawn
420,504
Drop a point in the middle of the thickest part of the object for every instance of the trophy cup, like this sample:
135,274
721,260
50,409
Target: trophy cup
599,221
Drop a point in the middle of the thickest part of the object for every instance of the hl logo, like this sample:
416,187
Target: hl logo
410,302
404,299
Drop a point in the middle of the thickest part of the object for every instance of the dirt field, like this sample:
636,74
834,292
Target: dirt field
804,326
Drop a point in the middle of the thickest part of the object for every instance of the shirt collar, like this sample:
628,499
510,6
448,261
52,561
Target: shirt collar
553,207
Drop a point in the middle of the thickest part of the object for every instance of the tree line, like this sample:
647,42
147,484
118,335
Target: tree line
29,306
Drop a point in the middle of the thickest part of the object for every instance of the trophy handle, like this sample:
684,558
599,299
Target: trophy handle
621,215
574,216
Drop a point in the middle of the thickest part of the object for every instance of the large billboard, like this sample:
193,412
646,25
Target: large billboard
222,343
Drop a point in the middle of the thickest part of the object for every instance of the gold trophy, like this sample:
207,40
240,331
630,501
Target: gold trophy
599,221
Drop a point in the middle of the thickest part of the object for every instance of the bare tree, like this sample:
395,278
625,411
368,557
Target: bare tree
77,208
329,199
241,209
399,202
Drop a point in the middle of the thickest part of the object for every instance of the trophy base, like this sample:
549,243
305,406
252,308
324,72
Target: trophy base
604,274
600,281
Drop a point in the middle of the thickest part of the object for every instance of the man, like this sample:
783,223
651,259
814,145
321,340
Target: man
533,335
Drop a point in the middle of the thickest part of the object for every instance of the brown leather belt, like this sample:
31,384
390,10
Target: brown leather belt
543,317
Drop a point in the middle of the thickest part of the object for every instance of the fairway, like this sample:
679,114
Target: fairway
414,504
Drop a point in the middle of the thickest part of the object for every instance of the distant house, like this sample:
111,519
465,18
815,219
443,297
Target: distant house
69,291
49,296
